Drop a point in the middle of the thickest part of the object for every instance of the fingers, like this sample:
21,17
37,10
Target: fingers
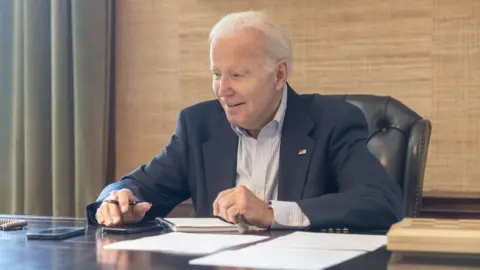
99,215
110,214
135,214
129,218
216,206
123,196
114,213
242,206
225,203
141,208
232,215
104,215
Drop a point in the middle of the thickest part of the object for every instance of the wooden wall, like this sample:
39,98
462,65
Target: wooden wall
426,53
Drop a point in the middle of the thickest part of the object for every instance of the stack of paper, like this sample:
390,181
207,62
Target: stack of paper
186,243
299,250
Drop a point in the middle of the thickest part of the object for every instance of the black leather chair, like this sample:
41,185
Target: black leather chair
399,138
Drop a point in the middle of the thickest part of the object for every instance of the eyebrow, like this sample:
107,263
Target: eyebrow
238,70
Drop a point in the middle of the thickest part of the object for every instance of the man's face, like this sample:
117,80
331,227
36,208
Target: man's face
242,82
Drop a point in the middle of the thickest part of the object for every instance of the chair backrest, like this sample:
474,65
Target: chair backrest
399,138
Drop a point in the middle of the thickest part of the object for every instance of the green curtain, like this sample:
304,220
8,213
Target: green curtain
55,87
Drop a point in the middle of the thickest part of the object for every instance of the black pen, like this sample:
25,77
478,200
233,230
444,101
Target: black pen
166,224
131,203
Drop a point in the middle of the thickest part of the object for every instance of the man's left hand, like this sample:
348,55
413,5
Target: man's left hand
240,203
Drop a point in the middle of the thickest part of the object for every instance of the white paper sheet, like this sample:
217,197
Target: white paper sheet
329,241
262,256
186,243
298,250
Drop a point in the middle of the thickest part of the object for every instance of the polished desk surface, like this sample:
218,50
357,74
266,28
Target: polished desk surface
86,252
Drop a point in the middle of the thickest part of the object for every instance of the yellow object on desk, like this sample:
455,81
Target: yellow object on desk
12,224
435,235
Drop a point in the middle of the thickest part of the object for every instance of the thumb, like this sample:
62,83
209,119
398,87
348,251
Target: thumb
141,208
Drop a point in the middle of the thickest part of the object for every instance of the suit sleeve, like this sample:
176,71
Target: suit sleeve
162,182
367,199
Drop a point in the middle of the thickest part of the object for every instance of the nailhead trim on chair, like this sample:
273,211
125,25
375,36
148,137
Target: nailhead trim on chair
422,150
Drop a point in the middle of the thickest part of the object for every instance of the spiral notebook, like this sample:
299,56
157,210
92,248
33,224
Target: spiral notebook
196,224
12,224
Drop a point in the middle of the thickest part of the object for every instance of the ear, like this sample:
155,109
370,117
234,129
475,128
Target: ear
280,74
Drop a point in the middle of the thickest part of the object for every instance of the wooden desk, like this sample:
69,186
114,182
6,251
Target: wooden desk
85,252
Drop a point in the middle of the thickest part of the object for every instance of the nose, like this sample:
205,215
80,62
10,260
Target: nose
224,87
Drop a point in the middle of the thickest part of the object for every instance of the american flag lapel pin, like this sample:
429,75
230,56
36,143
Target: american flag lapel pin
302,152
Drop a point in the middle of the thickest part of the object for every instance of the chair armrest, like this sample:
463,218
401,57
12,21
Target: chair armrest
415,163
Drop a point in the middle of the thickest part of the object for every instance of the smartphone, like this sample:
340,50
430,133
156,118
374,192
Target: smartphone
134,228
56,233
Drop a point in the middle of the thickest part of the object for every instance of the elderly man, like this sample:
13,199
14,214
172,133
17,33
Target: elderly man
260,153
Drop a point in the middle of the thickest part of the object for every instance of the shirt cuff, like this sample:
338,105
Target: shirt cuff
288,215
91,210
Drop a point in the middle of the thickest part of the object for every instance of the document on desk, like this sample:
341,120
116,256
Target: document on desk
186,243
329,241
298,250
262,256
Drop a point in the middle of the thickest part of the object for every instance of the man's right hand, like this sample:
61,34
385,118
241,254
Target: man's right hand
110,214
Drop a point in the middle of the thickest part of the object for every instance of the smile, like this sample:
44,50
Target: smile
235,105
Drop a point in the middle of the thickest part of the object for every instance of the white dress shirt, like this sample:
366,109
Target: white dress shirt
257,169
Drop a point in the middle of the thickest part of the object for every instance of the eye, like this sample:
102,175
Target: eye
216,75
237,75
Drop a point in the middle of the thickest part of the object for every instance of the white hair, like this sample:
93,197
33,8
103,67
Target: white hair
276,43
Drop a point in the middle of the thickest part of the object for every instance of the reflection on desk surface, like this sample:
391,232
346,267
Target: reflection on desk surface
120,259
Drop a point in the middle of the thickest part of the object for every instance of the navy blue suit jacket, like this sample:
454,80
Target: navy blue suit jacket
338,183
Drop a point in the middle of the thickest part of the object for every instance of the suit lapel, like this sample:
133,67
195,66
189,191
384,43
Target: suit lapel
220,157
296,149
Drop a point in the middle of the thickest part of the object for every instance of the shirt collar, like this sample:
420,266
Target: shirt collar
277,120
